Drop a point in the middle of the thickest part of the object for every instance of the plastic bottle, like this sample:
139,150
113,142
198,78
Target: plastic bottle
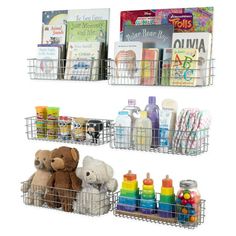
123,129
142,132
153,114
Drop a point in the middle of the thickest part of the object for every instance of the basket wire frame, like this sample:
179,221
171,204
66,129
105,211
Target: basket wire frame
191,143
68,70
160,73
139,212
85,203
39,130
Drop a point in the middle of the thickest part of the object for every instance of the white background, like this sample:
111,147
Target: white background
214,171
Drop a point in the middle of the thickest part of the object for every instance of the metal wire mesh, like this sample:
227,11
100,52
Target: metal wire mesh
63,69
93,132
156,140
173,214
85,203
161,73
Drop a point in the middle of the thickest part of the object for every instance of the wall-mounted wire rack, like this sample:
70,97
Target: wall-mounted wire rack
170,214
83,131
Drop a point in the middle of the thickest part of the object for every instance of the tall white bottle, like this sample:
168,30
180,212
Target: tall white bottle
122,135
142,132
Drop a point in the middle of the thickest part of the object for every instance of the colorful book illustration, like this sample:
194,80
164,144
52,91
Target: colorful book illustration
166,64
152,36
203,42
47,65
183,19
150,66
184,67
83,61
128,63
54,17
54,34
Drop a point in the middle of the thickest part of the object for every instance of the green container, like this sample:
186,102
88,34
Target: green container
167,198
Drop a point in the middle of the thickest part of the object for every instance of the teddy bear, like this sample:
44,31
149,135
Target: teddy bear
34,188
97,183
63,184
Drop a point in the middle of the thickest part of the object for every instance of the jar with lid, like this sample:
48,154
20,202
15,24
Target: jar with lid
188,202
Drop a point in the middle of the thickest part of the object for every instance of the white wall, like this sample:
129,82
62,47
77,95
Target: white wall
20,32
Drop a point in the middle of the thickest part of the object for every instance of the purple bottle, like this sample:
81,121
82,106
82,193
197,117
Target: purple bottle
153,114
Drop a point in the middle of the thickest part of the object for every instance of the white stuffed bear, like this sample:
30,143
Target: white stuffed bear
97,182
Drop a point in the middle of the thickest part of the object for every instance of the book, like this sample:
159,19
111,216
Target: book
54,34
152,36
199,19
57,17
47,64
150,66
165,65
184,67
128,62
83,61
203,42
87,31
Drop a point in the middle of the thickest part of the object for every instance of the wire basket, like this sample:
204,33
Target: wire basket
158,212
161,73
181,142
69,70
83,131
85,203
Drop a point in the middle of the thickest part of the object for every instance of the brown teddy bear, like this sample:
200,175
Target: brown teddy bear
64,183
35,186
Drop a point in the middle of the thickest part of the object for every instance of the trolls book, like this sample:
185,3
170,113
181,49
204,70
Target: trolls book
198,19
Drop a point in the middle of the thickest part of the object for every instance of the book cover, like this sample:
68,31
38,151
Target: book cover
87,31
58,17
152,36
128,62
201,41
54,34
83,61
198,19
47,62
184,67
165,65
150,66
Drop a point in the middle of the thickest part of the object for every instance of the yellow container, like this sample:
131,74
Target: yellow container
148,187
167,191
130,185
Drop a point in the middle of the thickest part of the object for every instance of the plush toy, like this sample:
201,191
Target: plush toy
63,184
35,186
97,181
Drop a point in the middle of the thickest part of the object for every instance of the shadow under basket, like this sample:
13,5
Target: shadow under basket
182,142
85,203
180,73
157,212
56,131
68,70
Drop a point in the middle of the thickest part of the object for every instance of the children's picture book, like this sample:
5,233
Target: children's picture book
150,66
47,65
201,41
152,36
54,34
198,19
165,66
184,67
128,62
83,61
54,17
